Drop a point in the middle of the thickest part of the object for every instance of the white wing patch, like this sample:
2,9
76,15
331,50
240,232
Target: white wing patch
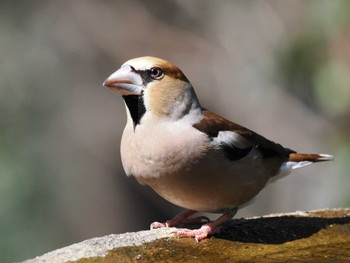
231,138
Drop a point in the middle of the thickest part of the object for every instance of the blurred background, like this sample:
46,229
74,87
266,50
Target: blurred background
281,68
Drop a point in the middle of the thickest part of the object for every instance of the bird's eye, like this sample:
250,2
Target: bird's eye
156,73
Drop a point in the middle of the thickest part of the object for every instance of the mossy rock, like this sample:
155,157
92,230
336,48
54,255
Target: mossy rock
316,236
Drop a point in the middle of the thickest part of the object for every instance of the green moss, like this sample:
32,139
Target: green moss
331,243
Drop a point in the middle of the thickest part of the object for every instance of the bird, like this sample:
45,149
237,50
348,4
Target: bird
190,156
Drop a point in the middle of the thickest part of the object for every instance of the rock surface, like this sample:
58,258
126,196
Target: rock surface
322,235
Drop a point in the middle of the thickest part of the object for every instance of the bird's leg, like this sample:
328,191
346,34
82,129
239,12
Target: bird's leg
208,228
182,218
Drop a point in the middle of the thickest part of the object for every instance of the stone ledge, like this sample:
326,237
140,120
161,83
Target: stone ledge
315,235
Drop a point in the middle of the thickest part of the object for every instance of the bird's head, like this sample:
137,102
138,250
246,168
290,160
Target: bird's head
155,86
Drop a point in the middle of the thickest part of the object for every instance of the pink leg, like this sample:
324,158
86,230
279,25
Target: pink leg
182,218
207,229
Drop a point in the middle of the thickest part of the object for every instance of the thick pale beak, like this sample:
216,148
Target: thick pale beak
125,81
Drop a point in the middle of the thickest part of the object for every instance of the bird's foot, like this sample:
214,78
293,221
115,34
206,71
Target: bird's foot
182,218
199,234
208,228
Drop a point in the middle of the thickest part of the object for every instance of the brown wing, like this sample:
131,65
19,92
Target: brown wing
212,124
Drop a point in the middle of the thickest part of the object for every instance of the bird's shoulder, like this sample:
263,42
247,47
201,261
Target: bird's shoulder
236,140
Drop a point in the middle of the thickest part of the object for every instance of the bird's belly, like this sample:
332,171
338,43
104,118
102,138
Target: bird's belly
212,183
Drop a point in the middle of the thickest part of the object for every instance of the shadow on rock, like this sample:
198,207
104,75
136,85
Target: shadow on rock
276,230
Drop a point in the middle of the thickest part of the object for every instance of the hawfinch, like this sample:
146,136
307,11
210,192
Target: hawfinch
192,157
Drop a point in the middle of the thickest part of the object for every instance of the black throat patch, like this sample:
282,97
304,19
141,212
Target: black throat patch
136,107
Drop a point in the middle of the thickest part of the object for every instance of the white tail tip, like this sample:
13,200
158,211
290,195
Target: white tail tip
325,157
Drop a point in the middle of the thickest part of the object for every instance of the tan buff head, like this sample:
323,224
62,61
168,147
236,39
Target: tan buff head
165,89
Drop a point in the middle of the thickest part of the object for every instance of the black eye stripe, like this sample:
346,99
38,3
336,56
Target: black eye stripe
146,75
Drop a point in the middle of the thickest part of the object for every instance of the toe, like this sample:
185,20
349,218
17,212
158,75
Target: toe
198,234
155,225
